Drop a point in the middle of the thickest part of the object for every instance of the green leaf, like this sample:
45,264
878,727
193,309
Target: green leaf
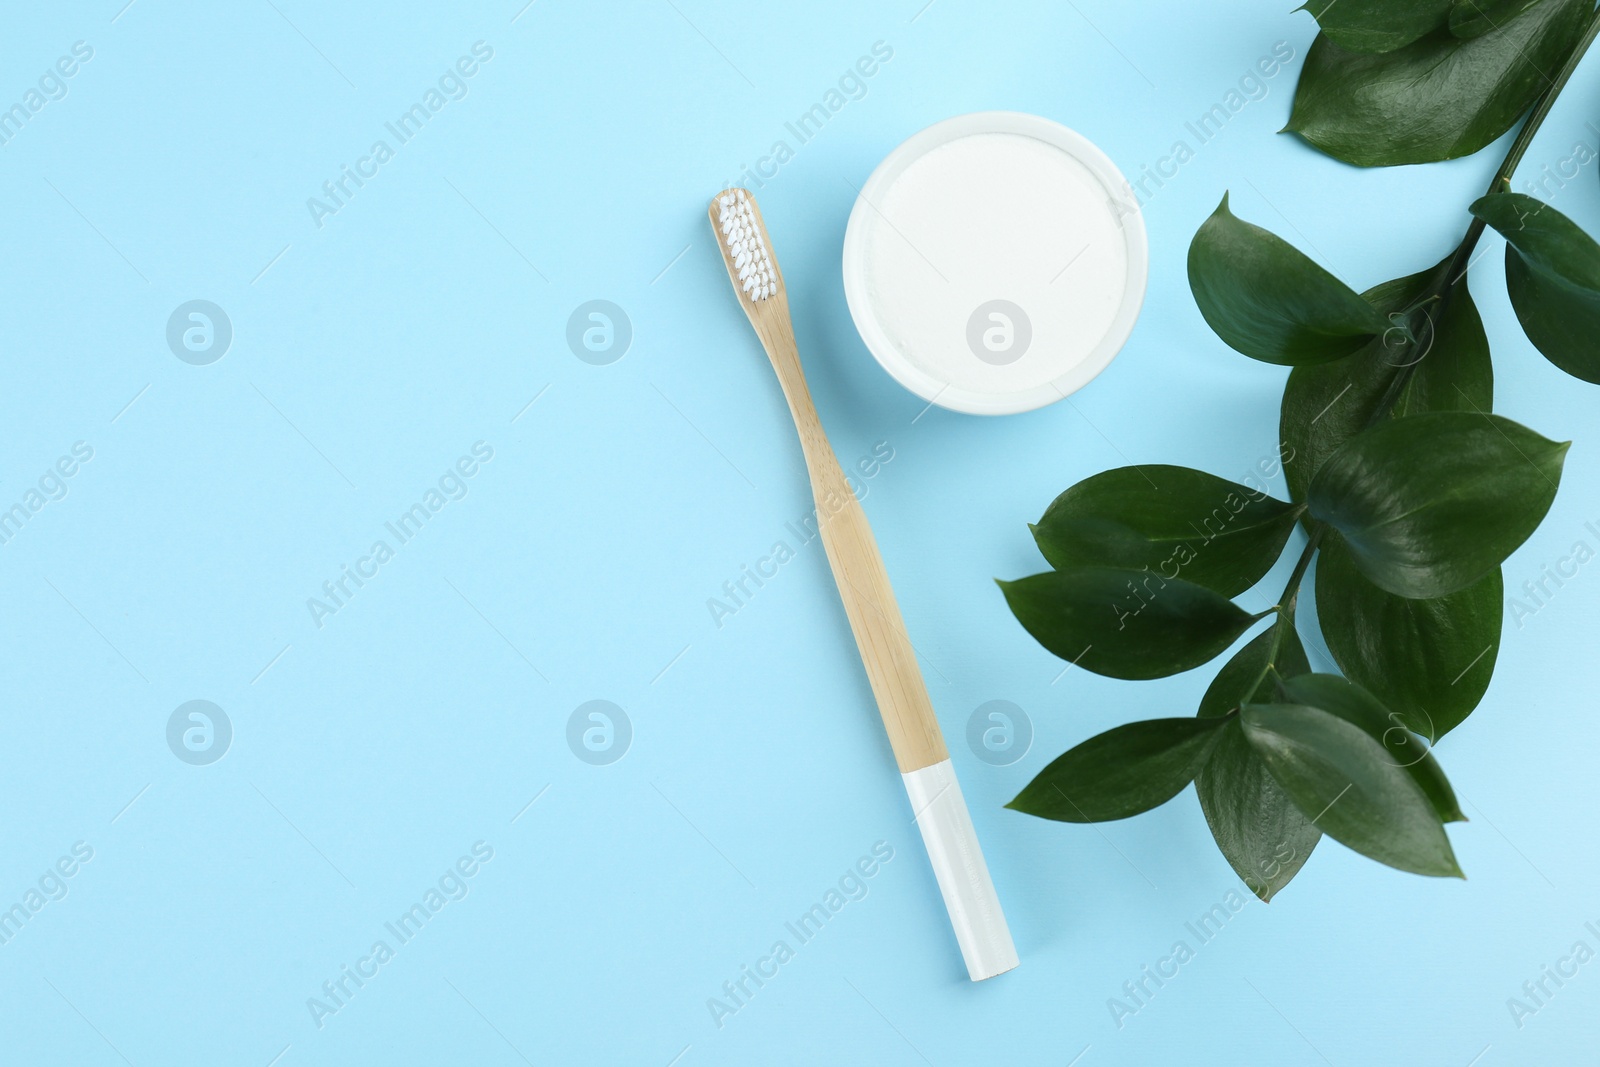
1432,503
1265,838
1553,277
1428,660
1175,521
1125,623
1355,705
1267,299
1326,405
1474,18
1121,772
1439,97
1350,787
1247,678
1378,25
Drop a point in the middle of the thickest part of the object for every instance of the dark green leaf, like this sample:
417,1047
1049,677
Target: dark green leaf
1428,660
1378,25
1265,838
1454,371
1121,772
1350,787
1474,18
1324,406
1553,276
1180,523
1432,503
1247,679
1353,704
1125,623
1265,298
1439,97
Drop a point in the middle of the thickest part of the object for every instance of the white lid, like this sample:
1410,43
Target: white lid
995,262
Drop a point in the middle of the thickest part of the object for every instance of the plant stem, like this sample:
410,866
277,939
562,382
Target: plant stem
1291,591
1541,109
1291,594
1519,148
1440,291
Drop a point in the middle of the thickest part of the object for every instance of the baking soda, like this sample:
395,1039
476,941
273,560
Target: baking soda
996,262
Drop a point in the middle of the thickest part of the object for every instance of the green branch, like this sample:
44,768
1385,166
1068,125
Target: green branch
1439,292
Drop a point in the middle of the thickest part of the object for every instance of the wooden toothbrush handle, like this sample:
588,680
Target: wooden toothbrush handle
863,583
930,779
879,630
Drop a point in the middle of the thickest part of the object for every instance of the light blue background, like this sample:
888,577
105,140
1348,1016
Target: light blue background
370,753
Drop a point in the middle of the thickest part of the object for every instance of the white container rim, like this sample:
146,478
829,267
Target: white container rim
919,381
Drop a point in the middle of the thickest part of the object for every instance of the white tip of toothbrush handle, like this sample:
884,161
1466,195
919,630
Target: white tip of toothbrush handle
964,881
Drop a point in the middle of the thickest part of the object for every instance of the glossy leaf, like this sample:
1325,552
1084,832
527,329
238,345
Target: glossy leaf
1180,523
1553,277
1121,772
1432,503
1439,97
1474,18
1341,697
1378,25
1125,623
1326,405
1248,678
1350,788
1267,299
1429,661
1264,836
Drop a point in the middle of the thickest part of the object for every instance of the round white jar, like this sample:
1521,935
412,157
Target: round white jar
995,262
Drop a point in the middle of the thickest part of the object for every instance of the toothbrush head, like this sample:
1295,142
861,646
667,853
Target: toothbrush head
743,237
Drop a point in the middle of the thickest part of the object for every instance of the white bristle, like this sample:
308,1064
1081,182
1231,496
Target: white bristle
752,263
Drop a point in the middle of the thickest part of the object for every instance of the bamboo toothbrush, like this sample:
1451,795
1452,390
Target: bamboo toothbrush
869,602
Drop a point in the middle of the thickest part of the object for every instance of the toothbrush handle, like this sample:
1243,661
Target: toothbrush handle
919,749
869,602
891,663
875,620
